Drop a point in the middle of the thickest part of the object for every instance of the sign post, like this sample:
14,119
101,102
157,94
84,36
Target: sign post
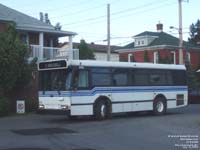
20,106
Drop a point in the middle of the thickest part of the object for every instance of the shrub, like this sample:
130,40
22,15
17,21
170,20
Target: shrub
31,105
4,106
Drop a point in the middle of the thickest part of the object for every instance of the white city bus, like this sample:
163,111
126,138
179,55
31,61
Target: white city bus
85,87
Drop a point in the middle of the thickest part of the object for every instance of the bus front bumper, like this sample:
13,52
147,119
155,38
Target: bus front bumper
54,112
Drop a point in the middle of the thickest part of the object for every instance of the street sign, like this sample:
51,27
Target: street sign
20,106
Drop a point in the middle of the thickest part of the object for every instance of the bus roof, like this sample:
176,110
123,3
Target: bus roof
94,63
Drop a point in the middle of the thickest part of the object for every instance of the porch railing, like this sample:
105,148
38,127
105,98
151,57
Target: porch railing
52,52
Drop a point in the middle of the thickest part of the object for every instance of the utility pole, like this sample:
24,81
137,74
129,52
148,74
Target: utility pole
180,33
108,31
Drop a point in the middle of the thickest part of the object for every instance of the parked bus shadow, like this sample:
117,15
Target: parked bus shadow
143,114
86,119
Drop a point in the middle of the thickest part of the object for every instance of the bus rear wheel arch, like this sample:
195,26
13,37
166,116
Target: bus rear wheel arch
159,105
102,108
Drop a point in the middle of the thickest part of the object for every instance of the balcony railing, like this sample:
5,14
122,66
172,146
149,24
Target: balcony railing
52,52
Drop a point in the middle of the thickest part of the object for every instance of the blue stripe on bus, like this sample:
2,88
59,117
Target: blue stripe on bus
110,90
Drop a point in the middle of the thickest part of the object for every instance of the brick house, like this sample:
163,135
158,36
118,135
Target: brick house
159,47
40,35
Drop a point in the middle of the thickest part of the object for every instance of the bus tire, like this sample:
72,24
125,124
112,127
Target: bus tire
159,106
102,110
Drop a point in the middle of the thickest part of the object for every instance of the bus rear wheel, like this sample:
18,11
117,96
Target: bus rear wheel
159,106
101,110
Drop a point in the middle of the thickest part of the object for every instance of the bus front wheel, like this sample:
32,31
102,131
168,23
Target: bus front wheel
101,110
159,106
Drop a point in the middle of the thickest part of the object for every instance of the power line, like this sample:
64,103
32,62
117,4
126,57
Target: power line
84,10
144,11
65,6
89,19
101,17
123,43
78,12
112,37
138,7
121,17
119,12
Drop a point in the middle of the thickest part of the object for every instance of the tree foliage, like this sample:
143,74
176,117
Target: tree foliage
195,33
85,52
14,69
191,76
146,56
4,106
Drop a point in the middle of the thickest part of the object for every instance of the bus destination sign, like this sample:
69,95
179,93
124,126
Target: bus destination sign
55,64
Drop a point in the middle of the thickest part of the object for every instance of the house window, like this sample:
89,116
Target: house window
173,57
187,57
156,58
130,57
142,42
138,43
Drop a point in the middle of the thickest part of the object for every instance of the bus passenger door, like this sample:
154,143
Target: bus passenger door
80,96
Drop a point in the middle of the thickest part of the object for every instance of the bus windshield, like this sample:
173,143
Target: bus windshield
55,80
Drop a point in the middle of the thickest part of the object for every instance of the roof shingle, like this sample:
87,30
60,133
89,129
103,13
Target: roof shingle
25,22
162,39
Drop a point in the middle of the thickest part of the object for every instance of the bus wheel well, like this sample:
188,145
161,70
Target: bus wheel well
102,100
161,96
159,104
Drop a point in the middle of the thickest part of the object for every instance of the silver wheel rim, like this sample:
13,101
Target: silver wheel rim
160,106
103,110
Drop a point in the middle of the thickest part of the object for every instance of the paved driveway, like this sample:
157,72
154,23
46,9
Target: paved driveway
179,129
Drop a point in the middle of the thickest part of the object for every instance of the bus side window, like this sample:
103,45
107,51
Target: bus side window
120,77
141,77
179,77
160,77
169,78
101,77
83,79
132,77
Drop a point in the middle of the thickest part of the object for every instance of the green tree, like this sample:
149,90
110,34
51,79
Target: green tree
160,60
146,56
192,78
195,33
14,68
84,51
197,75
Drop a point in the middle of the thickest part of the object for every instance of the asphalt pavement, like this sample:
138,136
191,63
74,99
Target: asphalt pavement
178,129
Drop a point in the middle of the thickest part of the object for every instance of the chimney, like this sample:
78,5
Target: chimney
41,17
159,27
46,18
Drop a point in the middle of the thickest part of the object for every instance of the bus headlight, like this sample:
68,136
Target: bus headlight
64,106
41,106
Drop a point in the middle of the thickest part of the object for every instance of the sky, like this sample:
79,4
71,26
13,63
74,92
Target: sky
88,18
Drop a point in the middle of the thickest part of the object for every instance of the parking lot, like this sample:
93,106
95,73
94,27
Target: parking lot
178,129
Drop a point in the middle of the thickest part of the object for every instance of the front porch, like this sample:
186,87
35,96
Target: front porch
48,53
44,45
